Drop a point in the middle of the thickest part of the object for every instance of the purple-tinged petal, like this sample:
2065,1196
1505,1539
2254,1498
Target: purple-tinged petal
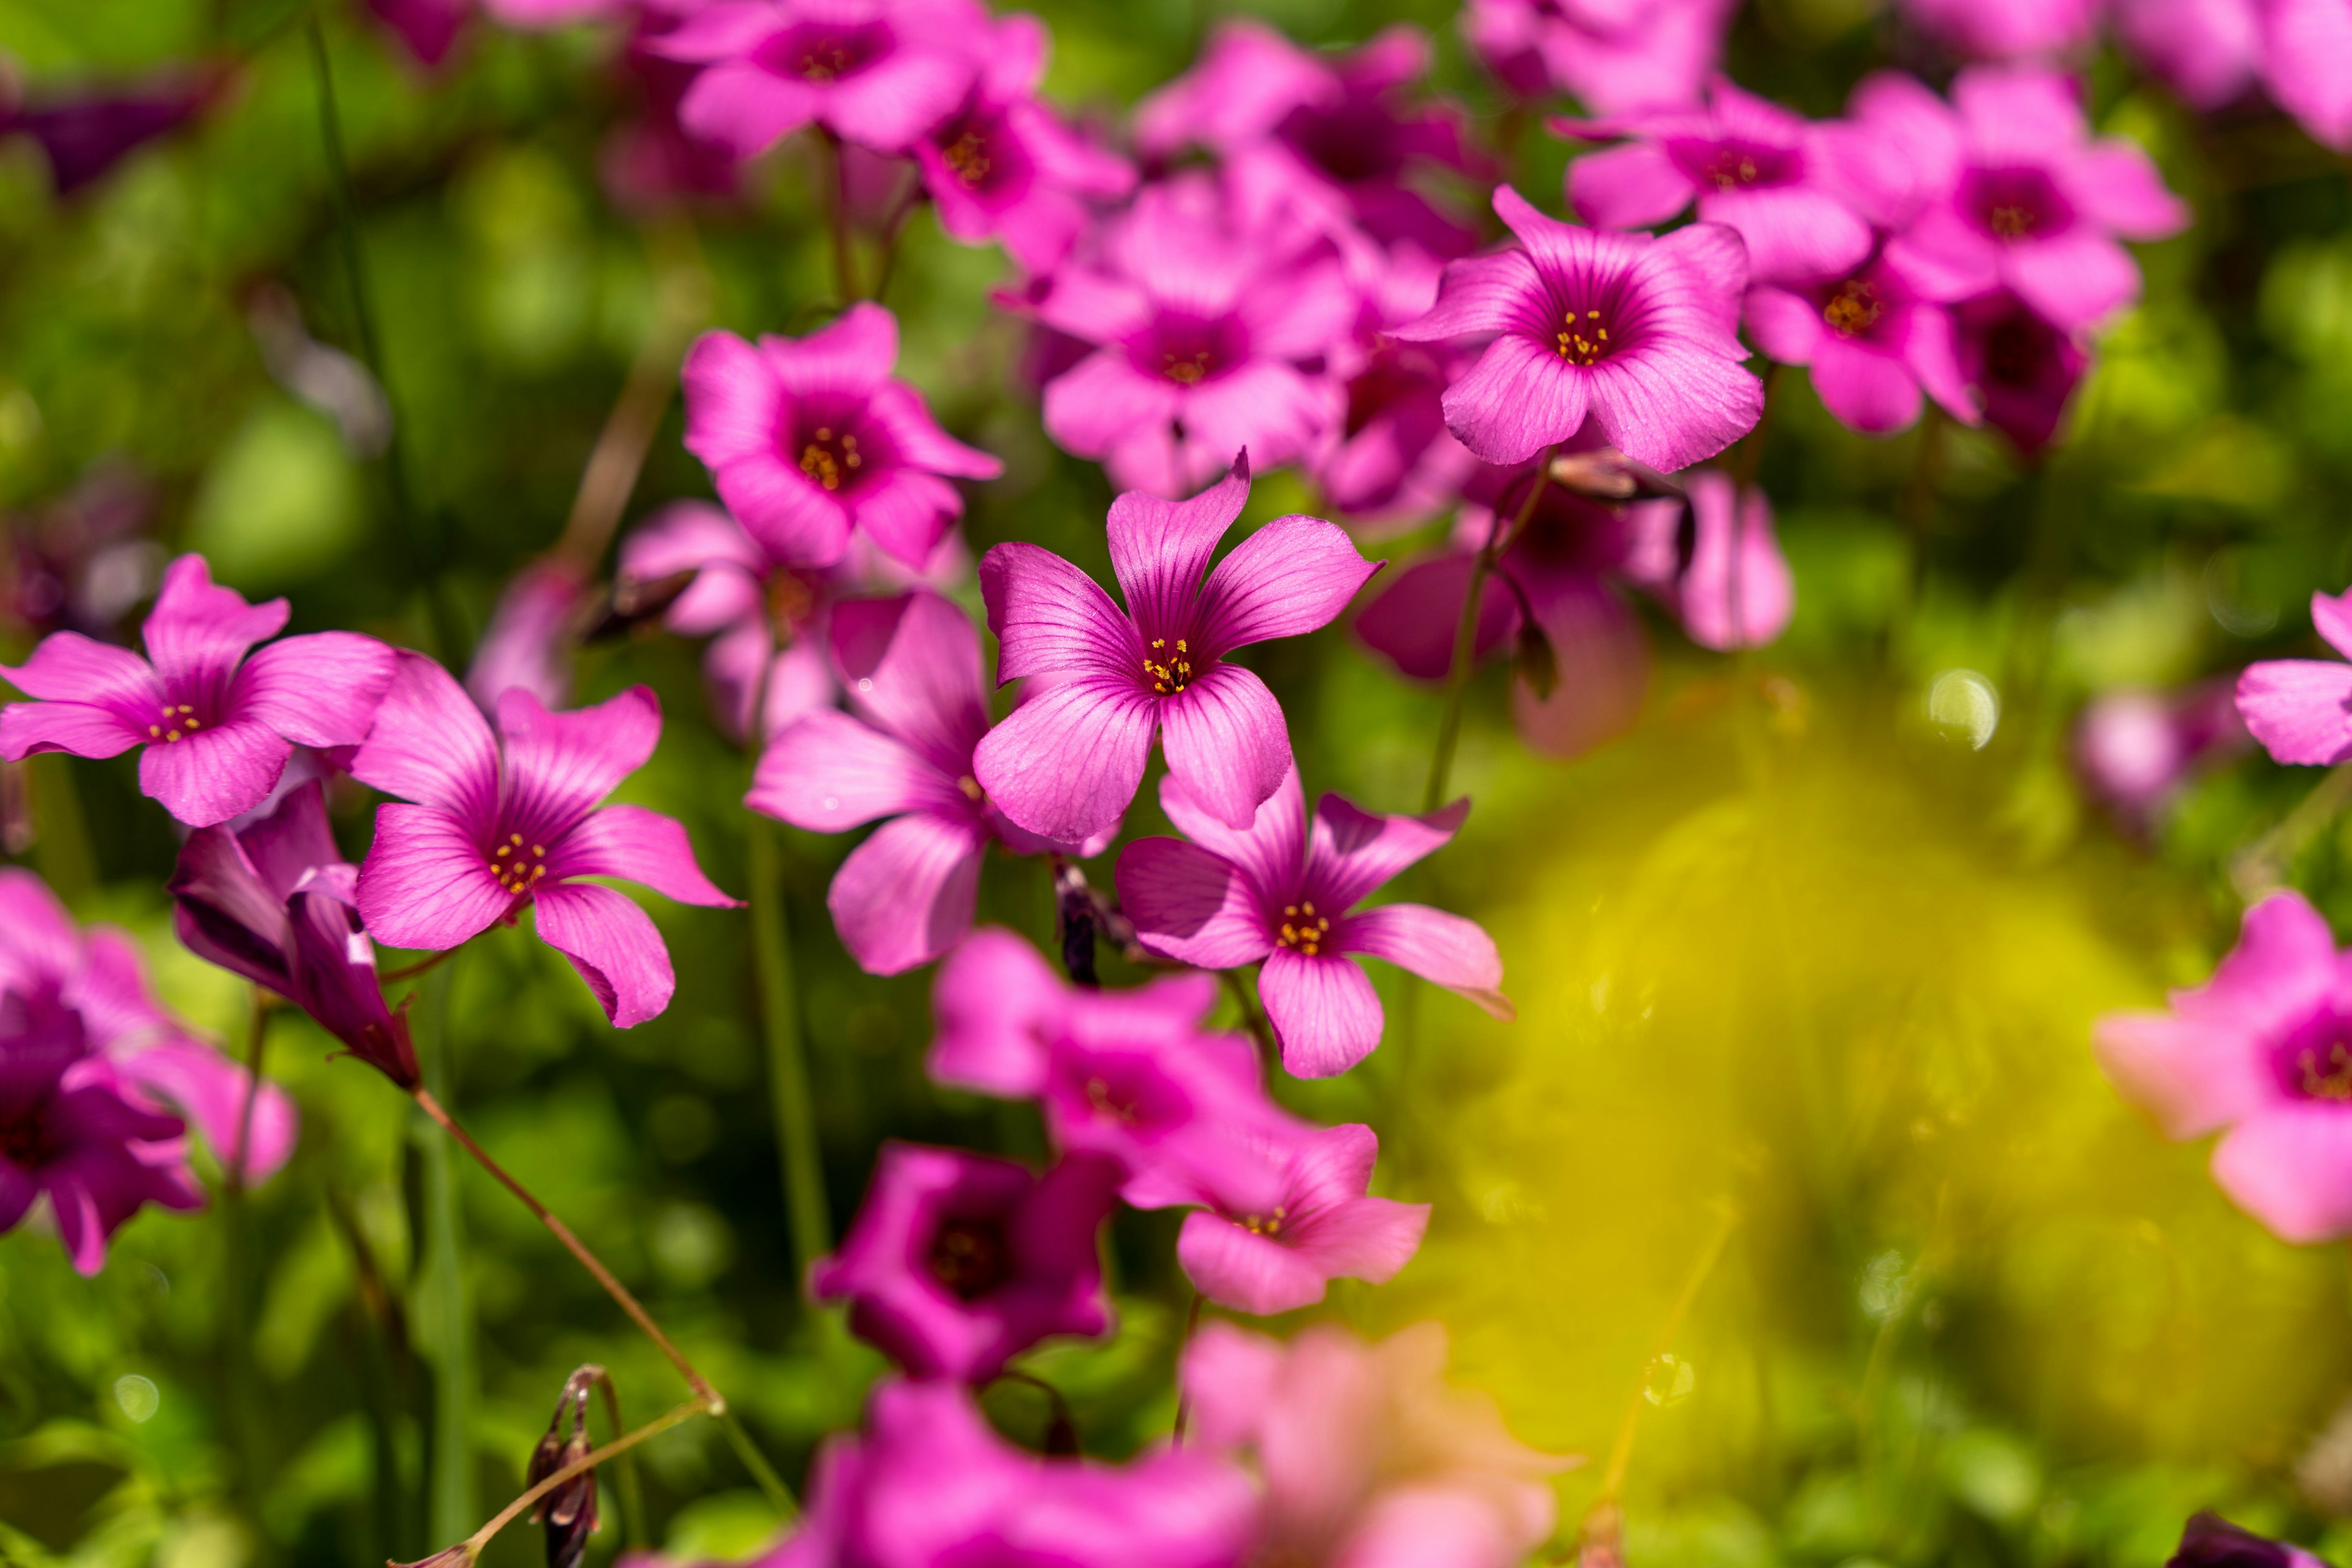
889,106
1518,398
989,998
912,666
1273,410
1738,591
2285,964
849,359
1792,233
1237,1267
1291,577
907,513
1224,738
689,536
2307,44
612,943
1350,851
559,765
2299,709
1415,622
1674,406
1159,549
906,895
1271,852
196,632
94,701
1369,1239
210,1091
2073,279
2118,185
1443,949
215,773
322,689
1478,295
639,845
1324,1011
430,744
2289,1166
721,30
426,881
1051,619
828,773
1067,763
918,439
28,729
1632,186
1190,904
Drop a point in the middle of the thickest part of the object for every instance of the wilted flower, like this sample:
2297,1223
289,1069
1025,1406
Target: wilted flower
505,822
2301,709
2020,370
217,727
1320,1228
1614,55
569,1511
2006,29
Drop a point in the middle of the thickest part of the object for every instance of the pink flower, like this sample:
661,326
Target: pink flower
1874,343
2212,52
427,29
808,438
1614,55
217,726
1209,333
1065,764
957,1262
2301,709
928,1484
2020,369
876,72
1750,165
1004,167
2006,29
1366,1455
1392,460
1319,1227
912,666
505,822
531,636
2262,1054
2035,204
2135,749
1641,333
1279,892
1713,560
86,134
2209,1541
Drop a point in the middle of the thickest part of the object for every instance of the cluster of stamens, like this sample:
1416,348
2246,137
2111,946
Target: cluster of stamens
1304,929
1185,369
1173,675
1575,346
825,62
514,874
968,156
1854,308
2336,1083
1727,171
820,462
1265,1225
176,721
2011,220
1099,1096
970,1258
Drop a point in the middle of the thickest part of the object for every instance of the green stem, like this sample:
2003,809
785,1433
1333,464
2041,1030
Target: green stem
633,1496
441,1285
2262,868
780,1496
242,1264
805,1205
1465,634
1252,1019
835,175
471,1547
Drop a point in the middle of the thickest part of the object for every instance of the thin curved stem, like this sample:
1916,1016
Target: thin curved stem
797,1135
1183,1405
780,1496
411,971
1253,1018
471,1547
1621,1451
633,1496
835,177
1465,633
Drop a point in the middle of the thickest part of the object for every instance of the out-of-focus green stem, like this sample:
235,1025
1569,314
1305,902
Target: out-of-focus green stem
1465,634
780,1496
2263,866
805,1205
60,837
835,177
632,1496
242,1266
443,1304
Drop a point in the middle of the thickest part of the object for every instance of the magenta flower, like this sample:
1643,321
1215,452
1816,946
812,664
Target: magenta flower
506,822
1641,333
1065,764
1713,560
876,72
1750,165
217,726
957,1262
808,438
1872,341
2006,29
2134,750
1614,55
2262,1054
1004,167
928,1484
71,1133
1210,336
2301,709
1320,1228
2018,368
84,135
2036,205
1365,1454
2209,1541
1392,460
531,633
276,902
1280,893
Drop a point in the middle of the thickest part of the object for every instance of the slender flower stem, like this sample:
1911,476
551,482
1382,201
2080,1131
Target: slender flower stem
1254,1020
780,1496
471,1547
1621,1451
445,1310
243,1264
1183,1405
1465,633
835,177
890,232
2263,866
805,1205
257,1040
633,1496
410,972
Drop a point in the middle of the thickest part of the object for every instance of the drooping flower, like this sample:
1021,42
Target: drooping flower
1749,163
47,961
528,640
1004,167
500,823
1872,341
1639,333
875,73
1712,558
2008,29
2301,709
2260,1053
912,669
2209,1541
2020,369
808,438
1613,55
2036,205
928,1484
275,902
1366,1455
1210,335
1320,1228
2134,749
1283,893
1065,764
957,1262
217,726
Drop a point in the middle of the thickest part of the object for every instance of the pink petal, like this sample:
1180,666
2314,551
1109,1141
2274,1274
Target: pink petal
39,944
215,773
1443,949
1246,1272
1794,233
891,105
987,1001
2307,65
1673,406
613,945
1632,186
797,521
797,683
1159,549
918,439
209,1089
2285,964
1271,852
1224,738
1517,399
1700,272
689,536
1189,905
1363,1238
426,883
828,773
2027,111
1787,327
1066,764
1229,1376
849,359
1324,1011
1415,620
1291,577
907,513
2117,183
1350,851
28,729
1478,295
1604,662
1051,619
1434,1524
912,666
2289,1166
734,402
103,697
1865,387
1738,591
906,895
196,632
2299,709
2331,616
559,765
318,691
2074,280
430,744
721,30
2192,1077
640,846
745,107
1102,400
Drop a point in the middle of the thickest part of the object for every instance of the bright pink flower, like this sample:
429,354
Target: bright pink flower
2212,52
809,437
1210,334
1750,165
1004,167
1319,1227
2262,1054
1712,559
1641,333
2020,369
2307,65
1614,55
928,1484
2008,29
957,1262
1126,1074
508,821
1367,1457
217,726
1065,764
912,667
2301,709
2134,750
876,72
1873,341
2035,204
531,636
1393,460
1280,892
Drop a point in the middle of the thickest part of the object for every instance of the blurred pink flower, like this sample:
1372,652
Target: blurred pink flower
1712,558
2008,29
2020,369
2301,709
529,641
427,29
2262,1053
1873,341
1320,1228
2209,1541
2135,749
1614,55
1392,460
1365,1454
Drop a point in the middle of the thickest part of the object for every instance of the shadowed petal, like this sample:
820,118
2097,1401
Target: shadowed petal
1416,617
907,513
1067,763
1249,1272
1271,852
2189,1076
1225,737
1443,949
615,946
559,765
641,845
426,883
1188,904
430,744
906,895
215,773
1324,1011
209,1089
1478,295
1350,851
918,439
912,666
1291,577
322,689
2331,617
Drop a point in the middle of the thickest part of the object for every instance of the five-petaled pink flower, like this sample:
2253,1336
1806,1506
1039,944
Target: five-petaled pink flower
2301,709
1066,764
217,726
1265,1257
1872,341
500,823
808,438
1642,333
2262,1054
2020,370
1282,893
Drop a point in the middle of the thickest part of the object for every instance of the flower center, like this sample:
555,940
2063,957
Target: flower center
1186,368
2012,220
1265,1224
968,156
1854,308
1175,673
517,871
2327,1076
23,1141
1303,931
970,1257
971,790
178,722
829,459
1583,340
2015,204
1730,169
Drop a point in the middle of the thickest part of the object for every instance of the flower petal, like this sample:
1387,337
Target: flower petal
612,943
1865,387
849,358
906,895
430,744
1159,549
1051,619
1518,398
1066,764
2191,1078
1190,904
322,689
196,632
1271,852
215,773
1443,949
912,666
1238,1269
989,998
1416,620
210,1091
2299,709
1095,404
559,765
1224,738
1324,1011
1291,577
1632,186
2289,1166
426,882
828,773
2072,279
1476,296
1673,406
641,845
